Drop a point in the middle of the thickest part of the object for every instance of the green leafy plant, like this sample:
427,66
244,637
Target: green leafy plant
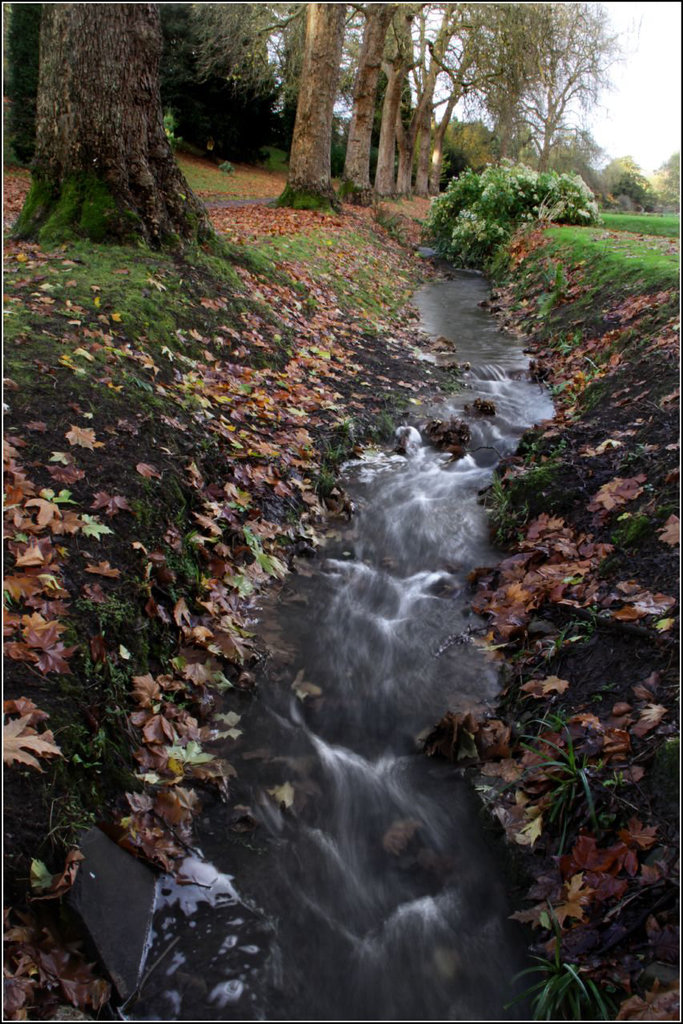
478,213
565,773
561,993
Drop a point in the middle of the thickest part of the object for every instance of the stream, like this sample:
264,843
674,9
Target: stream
370,890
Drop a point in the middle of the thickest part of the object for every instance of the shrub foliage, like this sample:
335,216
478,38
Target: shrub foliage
479,212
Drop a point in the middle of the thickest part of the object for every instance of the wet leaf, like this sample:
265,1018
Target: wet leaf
398,836
283,795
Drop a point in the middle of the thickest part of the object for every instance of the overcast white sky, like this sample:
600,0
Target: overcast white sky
641,117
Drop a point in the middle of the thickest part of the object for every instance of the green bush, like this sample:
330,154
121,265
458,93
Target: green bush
478,213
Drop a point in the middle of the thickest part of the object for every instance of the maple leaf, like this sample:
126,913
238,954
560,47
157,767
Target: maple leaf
146,469
47,511
283,795
577,896
670,532
658,1004
33,555
92,527
637,835
103,569
617,492
542,687
650,717
53,660
20,742
84,437
112,504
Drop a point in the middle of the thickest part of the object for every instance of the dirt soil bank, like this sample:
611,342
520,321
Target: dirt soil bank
581,766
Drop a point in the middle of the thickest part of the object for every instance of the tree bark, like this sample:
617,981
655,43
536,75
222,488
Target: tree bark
309,182
103,167
437,149
385,173
423,154
396,70
356,186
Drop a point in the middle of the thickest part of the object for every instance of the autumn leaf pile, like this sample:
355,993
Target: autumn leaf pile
580,766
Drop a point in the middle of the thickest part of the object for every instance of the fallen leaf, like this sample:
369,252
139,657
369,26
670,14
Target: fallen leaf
145,469
670,532
84,437
283,795
20,742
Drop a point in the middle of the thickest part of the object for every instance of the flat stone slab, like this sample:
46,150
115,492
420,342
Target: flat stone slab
114,896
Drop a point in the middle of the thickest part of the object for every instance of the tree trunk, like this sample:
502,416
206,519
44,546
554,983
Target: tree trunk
309,182
103,167
405,138
384,175
356,186
437,149
423,153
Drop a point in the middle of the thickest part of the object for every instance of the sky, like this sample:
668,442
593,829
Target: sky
641,116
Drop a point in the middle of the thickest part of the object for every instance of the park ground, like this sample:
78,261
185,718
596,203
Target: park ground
174,428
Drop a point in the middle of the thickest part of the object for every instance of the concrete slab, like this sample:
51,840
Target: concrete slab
114,896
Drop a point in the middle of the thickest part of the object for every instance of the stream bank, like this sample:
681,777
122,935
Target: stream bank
584,612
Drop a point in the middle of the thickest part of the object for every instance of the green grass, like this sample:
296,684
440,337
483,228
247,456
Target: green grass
642,262
668,225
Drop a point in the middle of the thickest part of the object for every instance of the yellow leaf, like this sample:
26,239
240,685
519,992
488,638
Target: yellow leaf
284,794
116,317
531,832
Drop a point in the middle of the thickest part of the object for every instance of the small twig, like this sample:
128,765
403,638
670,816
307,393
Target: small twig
135,995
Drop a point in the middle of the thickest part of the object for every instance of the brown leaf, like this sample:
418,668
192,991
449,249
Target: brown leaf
637,835
103,569
542,687
398,835
84,437
578,896
650,717
670,532
20,742
145,469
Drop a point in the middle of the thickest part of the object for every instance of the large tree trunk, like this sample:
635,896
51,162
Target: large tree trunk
384,175
309,182
103,167
356,186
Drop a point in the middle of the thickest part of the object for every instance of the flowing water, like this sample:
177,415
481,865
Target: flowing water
375,895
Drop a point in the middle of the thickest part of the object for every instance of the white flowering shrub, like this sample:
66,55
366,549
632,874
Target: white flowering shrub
479,212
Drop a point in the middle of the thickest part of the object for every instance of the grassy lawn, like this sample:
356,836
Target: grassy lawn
245,182
618,258
668,225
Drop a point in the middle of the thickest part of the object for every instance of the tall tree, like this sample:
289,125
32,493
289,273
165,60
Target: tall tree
396,65
571,50
434,39
309,181
103,167
356,177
